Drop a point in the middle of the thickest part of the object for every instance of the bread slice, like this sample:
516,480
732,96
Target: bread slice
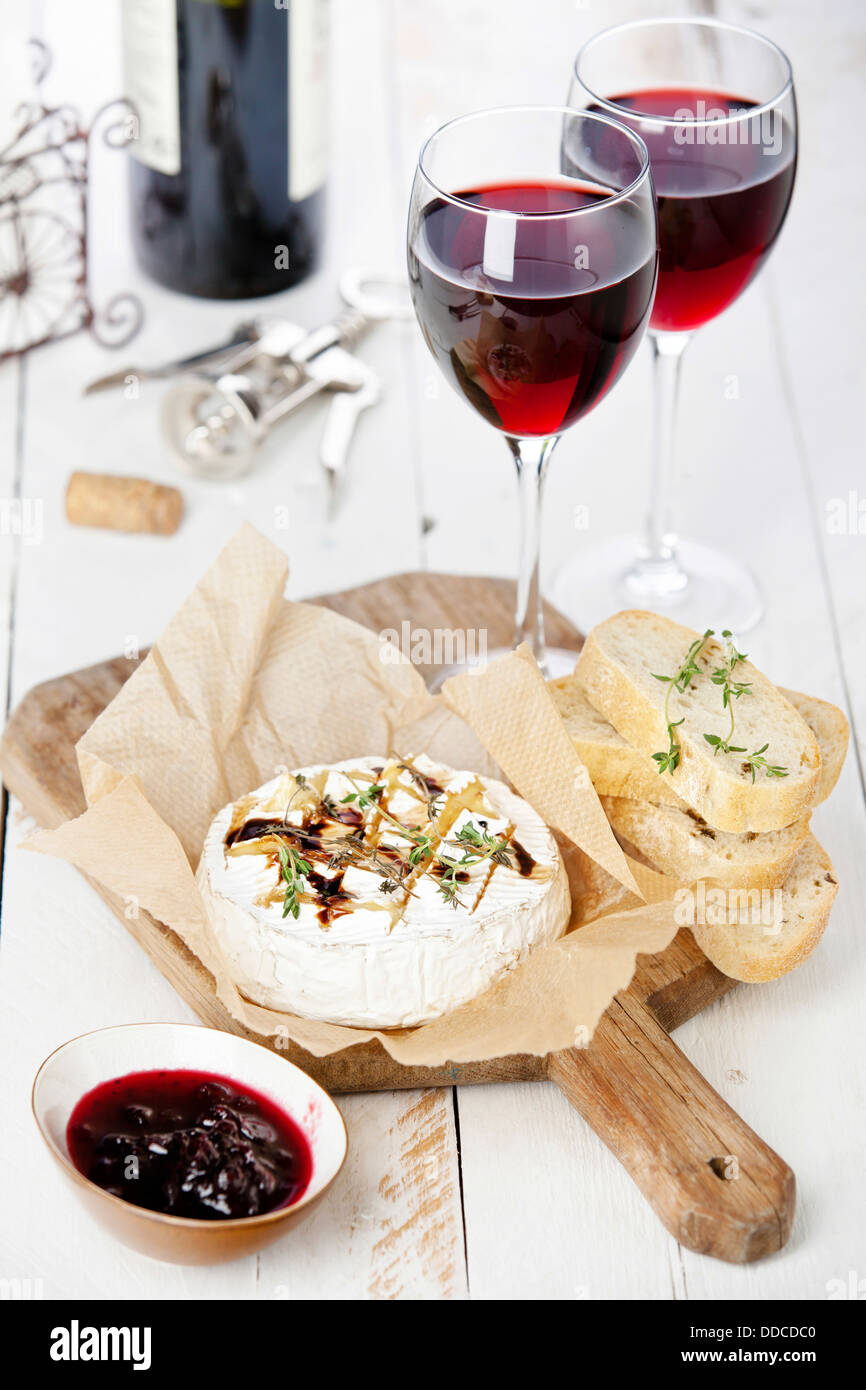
617,769
830,728
757,951
681,844
614,767
617,671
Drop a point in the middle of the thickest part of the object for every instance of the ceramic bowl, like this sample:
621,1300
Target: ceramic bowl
84,1062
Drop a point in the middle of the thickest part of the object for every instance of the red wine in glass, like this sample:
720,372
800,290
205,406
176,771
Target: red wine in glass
715,107
532,253
722,198
530,323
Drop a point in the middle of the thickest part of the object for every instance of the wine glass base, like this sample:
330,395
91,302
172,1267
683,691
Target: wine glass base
560,662
706,588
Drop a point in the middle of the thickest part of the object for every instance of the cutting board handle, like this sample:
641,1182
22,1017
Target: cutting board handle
717,1187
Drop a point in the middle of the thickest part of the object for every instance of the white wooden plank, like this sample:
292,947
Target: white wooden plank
14,513
394,1228
550,1214
20,517
819,300
788,1054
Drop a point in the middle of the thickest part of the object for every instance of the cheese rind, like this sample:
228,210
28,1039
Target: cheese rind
382,963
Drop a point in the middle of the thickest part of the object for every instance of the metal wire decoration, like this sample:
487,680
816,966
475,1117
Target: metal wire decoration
45,291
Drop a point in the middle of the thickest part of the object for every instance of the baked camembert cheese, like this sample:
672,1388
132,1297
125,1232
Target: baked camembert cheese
379,892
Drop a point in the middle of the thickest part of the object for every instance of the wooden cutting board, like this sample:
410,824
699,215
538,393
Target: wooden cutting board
717,1187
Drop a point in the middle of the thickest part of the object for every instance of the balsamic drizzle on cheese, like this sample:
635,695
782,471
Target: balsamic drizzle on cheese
328,836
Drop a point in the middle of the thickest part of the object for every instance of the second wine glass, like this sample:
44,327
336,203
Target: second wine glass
532,253
715,104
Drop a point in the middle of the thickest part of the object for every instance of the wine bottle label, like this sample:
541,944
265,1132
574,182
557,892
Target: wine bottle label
151,80
152,86
308,96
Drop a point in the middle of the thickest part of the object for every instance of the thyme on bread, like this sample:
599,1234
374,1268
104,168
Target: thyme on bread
755,760
732,690
680,680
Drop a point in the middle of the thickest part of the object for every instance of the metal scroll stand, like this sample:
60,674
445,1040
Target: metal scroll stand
46,289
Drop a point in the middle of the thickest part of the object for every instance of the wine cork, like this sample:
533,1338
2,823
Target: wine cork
123,504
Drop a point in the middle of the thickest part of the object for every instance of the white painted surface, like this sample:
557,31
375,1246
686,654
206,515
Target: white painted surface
548,1212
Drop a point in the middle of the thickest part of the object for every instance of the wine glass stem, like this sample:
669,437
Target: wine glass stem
531,457
667,351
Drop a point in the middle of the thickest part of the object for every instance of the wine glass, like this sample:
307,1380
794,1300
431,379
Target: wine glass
532,254
715,105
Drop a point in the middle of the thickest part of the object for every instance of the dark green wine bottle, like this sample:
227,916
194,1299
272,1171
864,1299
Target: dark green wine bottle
228,165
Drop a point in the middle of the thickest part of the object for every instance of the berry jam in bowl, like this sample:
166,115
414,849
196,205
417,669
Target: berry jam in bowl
190,1145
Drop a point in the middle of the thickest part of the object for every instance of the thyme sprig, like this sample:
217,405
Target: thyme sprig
731,690
755,760
479,846
486,846
353,849
294,871
423,785
680,680
421,844
300,786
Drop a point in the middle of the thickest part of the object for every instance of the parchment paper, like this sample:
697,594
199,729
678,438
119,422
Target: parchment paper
242,684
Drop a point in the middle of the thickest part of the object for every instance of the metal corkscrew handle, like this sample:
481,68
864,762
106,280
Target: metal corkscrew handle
215,418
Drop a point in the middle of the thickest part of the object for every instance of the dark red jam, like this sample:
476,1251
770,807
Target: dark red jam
189,1143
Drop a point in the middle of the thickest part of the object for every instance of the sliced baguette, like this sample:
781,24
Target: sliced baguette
830,728
617,769
680,844
614,767
764,952
616,672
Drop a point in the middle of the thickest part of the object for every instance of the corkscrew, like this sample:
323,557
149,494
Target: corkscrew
223,403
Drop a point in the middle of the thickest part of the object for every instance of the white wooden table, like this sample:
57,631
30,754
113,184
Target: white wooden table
497,1192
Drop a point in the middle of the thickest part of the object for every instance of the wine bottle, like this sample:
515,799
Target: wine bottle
228,162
